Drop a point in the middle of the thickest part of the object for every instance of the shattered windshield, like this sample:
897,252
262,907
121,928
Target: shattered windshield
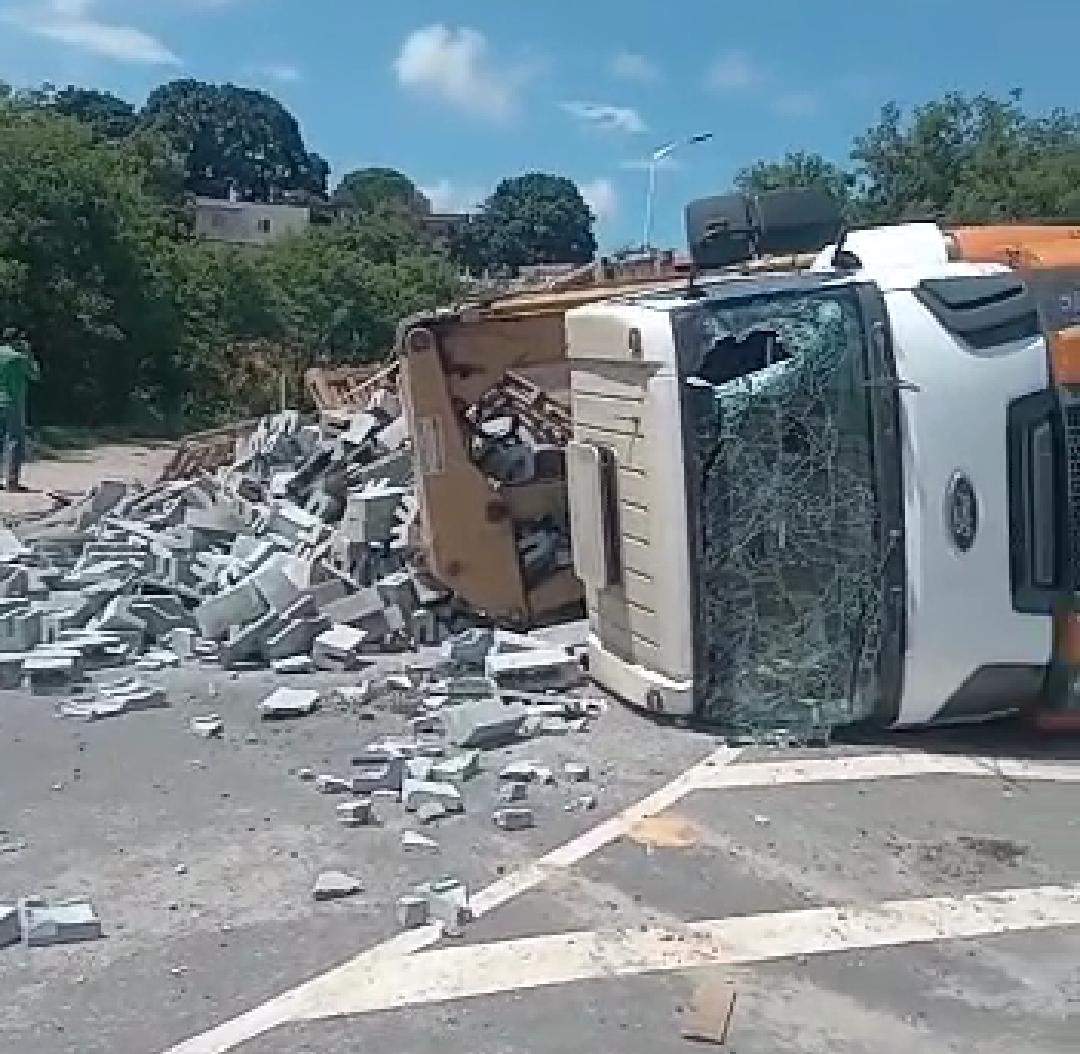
786,544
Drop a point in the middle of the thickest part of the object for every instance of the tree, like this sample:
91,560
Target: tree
970,160
530,219
108,115
230,137
797,169
366,189
83,238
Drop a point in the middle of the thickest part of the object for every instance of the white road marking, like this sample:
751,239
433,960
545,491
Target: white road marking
288,1005
879,766
484,969
335,991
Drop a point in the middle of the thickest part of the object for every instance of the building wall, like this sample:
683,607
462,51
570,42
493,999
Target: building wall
247,222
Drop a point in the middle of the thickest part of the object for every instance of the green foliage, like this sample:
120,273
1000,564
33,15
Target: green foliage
797,169
234,137
969,160
366,189
532,219
109,116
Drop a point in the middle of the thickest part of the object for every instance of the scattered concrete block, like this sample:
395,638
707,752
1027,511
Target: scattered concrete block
430,811
326,784
548,667
289,702
338,648
448,900
236,606
49,672
182,641
208,726
333,885
357,813
576,772
456,769
513,818
371,778
11,669
412,911
60,923
415,793
410,840
527,772
514,791
483,723
469,649
305,775
293,664
10,928
296,636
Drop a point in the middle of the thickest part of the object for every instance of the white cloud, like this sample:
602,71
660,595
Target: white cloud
453,64
72,22
447,196
604,115
633,66
733,71
282,72
796,104
600,195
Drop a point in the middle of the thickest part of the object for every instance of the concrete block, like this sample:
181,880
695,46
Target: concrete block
398,589
418,768
235,606
357,813
338,648
276,581
576,772
248,642
482,723
296,636
448,900
11,669
415,793
10,928
289,702
293,664
361,610
410,840
207,726
469,649
60,924
513,818
333,885
412,911
545,667
430,811
182,641
456,769
514,791
527,772
325,784
48,672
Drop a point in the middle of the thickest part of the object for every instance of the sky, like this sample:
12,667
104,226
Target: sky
460,95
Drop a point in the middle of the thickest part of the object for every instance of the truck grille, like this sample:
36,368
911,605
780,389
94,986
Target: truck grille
1072,446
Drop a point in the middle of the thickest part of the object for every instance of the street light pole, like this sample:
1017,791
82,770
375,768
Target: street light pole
658,155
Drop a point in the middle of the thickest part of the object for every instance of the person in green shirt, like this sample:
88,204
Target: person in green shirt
17,369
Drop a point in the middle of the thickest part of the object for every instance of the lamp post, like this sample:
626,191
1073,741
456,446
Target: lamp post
658,155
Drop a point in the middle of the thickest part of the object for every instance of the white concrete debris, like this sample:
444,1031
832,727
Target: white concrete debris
289,702
412,911
44,924
576,772
412,840
415,793
357,813
208,726
333,885
10,927
326,784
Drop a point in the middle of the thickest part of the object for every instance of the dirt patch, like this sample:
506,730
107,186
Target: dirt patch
665,832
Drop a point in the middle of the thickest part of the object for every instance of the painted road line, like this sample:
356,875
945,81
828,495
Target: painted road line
296,1002
531,962
880,766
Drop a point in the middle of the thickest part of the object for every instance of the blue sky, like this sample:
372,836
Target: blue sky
459,95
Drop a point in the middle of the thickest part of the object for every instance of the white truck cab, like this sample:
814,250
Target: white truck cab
803,499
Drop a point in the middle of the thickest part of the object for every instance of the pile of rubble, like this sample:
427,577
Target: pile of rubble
295,555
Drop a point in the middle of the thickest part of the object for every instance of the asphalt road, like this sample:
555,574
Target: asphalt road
200,855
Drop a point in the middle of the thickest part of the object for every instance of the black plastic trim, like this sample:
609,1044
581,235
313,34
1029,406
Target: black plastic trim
994,689
985,311
1039,550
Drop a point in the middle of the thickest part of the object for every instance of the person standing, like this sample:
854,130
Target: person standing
17,369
